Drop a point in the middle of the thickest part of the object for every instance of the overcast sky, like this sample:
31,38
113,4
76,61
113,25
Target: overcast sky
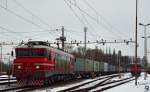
105,19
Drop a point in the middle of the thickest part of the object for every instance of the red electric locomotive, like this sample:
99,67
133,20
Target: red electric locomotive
135,69
38,63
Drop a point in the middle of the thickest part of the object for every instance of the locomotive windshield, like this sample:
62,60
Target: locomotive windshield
31,53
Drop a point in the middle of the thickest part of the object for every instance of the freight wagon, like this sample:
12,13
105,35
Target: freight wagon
86,67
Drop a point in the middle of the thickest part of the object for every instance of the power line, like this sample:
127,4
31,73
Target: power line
98,14
81,21
20,5
23,18
69,5
94,19
75,13
8,30
14,32
87,22
79,34
80,18
89,25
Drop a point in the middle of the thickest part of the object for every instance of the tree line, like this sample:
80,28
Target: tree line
101,56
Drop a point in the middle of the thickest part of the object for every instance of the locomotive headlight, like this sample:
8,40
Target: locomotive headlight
37,67
19,67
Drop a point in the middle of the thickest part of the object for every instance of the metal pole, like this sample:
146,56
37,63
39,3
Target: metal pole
9,71
63,38
145,51
145,48
1,60
119,55
85,30
136,40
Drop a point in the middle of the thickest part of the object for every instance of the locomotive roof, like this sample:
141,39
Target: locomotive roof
40,44
34,44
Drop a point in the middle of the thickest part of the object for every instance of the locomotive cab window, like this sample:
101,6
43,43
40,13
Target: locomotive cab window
31,53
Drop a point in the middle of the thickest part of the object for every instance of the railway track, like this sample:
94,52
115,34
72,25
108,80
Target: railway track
115,84
104,85
17,89
102,80
78,85
5,81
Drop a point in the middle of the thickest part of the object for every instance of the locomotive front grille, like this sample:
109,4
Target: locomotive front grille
28,68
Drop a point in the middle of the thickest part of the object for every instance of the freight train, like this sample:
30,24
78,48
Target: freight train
37,63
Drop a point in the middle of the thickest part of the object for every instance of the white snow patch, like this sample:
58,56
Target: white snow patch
131,87
8,81
127,87
67,86
5,76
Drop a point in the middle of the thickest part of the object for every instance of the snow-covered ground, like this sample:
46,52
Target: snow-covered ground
142,86
131,87
127,87
5,76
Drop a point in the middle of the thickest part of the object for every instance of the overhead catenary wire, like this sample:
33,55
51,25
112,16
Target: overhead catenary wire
84,17
23,18
94,19
82,22
27,20
24,32
70,5
77,34
103,18
10,31
32,22
90,26
76,15
28,11
34,15
14,32
5,36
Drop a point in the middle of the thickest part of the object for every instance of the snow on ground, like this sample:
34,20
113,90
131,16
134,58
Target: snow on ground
127,75
8,81
127,87
67,86
5,76
90,84
71,85
123,76
131,87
